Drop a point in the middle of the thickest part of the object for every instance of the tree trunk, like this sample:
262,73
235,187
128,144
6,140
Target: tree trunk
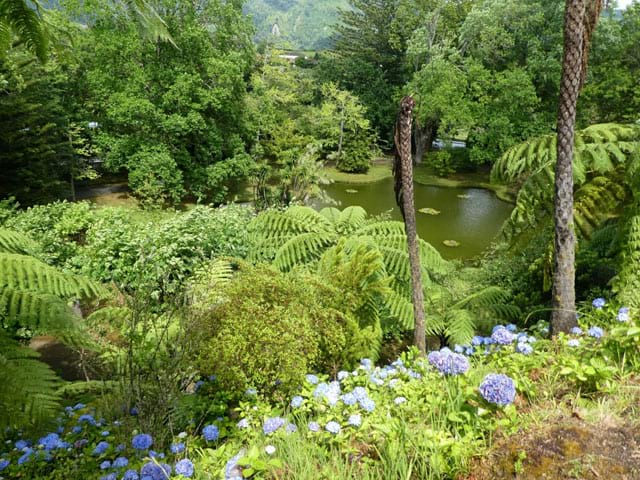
563,316
403,172
423,138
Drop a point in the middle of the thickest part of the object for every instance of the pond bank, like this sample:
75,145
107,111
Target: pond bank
423,175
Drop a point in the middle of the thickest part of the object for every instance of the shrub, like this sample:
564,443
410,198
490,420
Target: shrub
268,331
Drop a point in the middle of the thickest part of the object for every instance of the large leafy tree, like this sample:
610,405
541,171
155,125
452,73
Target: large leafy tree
172,117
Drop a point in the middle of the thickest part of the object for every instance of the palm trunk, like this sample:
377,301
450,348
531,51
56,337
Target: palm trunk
563,290
403,171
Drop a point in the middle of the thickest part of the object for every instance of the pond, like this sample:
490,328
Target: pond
470,216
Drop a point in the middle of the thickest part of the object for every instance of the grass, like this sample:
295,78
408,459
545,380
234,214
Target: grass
379,171
423,175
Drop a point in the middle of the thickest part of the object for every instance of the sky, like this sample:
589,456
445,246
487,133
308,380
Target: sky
624,3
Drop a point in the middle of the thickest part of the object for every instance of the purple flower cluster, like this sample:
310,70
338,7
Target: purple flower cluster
502,336
272,424
448,362
142,441
498,389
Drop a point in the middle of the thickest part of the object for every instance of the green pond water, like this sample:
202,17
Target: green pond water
470,216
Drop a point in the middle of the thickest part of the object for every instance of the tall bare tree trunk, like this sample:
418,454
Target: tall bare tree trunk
580,19
423,137
403,173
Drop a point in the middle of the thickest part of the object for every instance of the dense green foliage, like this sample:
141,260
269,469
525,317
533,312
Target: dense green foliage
250,333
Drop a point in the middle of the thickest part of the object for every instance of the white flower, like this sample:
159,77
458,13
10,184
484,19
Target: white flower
270,449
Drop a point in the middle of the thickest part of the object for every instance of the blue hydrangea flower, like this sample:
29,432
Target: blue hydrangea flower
399,400
156,471
105,465
477,340
25,456
498,389
512,328
367,404
328,391
272,424
120,462
524,348
314,426
312,379
184,467
349,399
623,314
101,448
296,402
360,393
488,341
120,448
109,476
210,433
448,362
21,444
355,420
231,469
291,428
78,406
105,433
198,385
4,464
342,375
51,442
458,348
76,429
177,448
599,303
574,342
250,392
376,380
86,418
142,441
595,332
575,331
502,336
244,423
130,475
333,427
366,363
469,351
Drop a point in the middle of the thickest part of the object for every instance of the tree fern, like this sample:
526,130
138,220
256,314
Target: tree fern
24,19
627,282
15,242
33,295
604,155
22,272
301,236
29,393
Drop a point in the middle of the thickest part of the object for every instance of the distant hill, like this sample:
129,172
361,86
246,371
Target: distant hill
301,24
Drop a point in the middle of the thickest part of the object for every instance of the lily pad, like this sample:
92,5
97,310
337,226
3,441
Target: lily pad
351,190
451,243
463,195
429,211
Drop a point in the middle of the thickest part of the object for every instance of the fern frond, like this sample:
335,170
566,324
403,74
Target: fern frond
22,272
401,309
25,19
460,326
302,249
380,229
28,388
42,312
15,242
350,219
626,284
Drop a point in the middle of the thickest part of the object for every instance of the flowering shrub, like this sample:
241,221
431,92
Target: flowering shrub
498,389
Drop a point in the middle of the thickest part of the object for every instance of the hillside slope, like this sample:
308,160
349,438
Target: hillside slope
303,24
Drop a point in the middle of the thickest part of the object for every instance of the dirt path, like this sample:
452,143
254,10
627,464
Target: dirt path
565,448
